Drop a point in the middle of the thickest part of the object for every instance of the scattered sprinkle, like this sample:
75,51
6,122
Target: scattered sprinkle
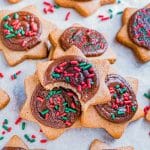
67,16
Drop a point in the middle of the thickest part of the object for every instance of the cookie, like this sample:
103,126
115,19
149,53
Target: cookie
23,35
13,1
74,71
15,143
62,102
99,145
136,35
84,7
123,109
4,99
92,43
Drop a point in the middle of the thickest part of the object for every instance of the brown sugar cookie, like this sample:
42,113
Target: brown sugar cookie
123,109
92,43
4,99
99,145
55,111
84,7
23,35
135,31
15,143
74,71
13,1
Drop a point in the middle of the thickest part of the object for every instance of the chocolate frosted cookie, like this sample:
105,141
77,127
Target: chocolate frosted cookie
89,41
123,104
13,148
139,28
57,108
20,31
77,72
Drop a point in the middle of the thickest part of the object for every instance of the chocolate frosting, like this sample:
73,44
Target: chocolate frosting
57,108
123,104
90,42
20,31
77,72
13,148
139,28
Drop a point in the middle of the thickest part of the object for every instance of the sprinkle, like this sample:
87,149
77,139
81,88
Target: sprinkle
119,13
29,139
43,141
105,18
44,111
16,16
113,116
67,16
5,18
14,76
10,36
1,138
147,95
33,136
1,75
18,120
23,125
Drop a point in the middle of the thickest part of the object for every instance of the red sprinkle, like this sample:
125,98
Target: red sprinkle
18,120
43,141
33,136
1,75
67,15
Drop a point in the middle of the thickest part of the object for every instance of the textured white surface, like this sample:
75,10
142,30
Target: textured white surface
79,139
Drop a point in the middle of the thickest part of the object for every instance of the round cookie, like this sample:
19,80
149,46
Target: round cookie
56,108
20,31
139,28
13,1
90,42
123,103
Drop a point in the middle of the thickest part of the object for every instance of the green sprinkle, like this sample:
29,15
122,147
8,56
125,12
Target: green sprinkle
22,32
44,111
88,66
5,18
120,112
29,139
67,79
68,109
113,116
147,95
15,76
119,13
82,64
1,138
55,75
64,118
56,107
56,6
5,121
16,16
10,36
133,108
6,25
114,95
110,10
117,86
23,125
65,104
111,16
5,127
124,90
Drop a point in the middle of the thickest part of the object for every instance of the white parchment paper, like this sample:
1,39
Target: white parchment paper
79,139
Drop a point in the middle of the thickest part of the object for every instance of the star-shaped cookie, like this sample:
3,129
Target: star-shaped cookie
99,145
52,133
14,31
58,51
88,95
123,37
94,120
15,142
4,99
84,7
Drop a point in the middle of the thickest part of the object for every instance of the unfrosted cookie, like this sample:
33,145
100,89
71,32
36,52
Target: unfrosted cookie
135,31
99,145
84,7
4,99
15,143
91,42
23,35
55,111
123,109
13,1
74,71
